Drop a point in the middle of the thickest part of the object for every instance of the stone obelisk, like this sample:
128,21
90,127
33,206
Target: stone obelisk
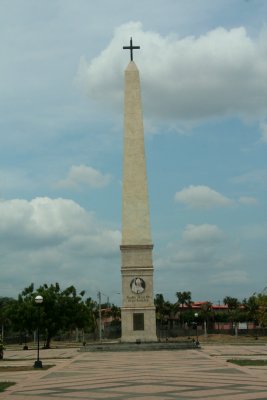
138,311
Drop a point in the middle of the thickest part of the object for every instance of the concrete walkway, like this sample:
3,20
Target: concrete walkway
178,374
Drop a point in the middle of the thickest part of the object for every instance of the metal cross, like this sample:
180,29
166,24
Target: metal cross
131,47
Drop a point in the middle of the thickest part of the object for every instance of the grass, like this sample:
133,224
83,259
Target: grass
5,385
244,363
222,339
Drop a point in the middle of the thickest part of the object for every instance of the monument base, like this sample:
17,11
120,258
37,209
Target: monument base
138,325
117,347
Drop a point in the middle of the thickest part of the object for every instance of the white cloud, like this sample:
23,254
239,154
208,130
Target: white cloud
220,73
82,175
201,197
200,248
54,240
200,234
258,176
230,277
248,200
43,221
197,259
207,251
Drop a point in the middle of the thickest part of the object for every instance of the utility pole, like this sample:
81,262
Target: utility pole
99,311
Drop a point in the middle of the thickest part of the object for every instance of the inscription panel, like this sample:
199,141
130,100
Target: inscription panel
138,299
138,322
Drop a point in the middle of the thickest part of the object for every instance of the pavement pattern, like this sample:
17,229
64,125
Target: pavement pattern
144,375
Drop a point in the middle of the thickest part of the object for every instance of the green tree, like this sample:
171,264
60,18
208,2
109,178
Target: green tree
60,310
172,310
5,303
251,308
262,309
206,312
22,312
162,308
221,316
233,308
115,312
231,302
92,309
183,299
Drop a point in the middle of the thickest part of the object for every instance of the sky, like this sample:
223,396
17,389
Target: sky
203,69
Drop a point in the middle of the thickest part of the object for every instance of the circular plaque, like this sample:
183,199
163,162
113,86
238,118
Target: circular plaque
137,285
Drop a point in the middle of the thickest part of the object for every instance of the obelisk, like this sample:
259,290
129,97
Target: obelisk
138,311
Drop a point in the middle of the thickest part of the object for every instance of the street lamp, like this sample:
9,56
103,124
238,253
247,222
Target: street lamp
38,300
196,316
99,313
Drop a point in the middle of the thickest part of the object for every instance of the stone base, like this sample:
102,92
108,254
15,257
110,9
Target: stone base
129,334
182,345
138,339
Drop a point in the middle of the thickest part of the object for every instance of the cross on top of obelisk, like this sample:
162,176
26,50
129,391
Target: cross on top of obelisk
131,47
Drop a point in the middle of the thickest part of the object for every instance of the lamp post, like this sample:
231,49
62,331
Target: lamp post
100,316
196,316
38,363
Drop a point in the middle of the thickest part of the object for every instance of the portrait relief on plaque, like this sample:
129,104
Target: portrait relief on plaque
137,285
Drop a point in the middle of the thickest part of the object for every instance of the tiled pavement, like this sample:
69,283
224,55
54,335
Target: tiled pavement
179,374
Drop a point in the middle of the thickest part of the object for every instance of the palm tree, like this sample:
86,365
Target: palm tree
262,310
160,305
233,304
115,312
184,299
206,312
173,309
251,307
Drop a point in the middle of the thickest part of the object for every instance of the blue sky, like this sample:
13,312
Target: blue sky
203,67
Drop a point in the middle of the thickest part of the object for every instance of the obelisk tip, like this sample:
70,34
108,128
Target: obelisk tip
131,66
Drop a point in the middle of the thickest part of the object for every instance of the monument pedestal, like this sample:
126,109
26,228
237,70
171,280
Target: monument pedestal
138,310
146,333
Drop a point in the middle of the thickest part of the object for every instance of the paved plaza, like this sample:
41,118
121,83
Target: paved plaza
179,374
